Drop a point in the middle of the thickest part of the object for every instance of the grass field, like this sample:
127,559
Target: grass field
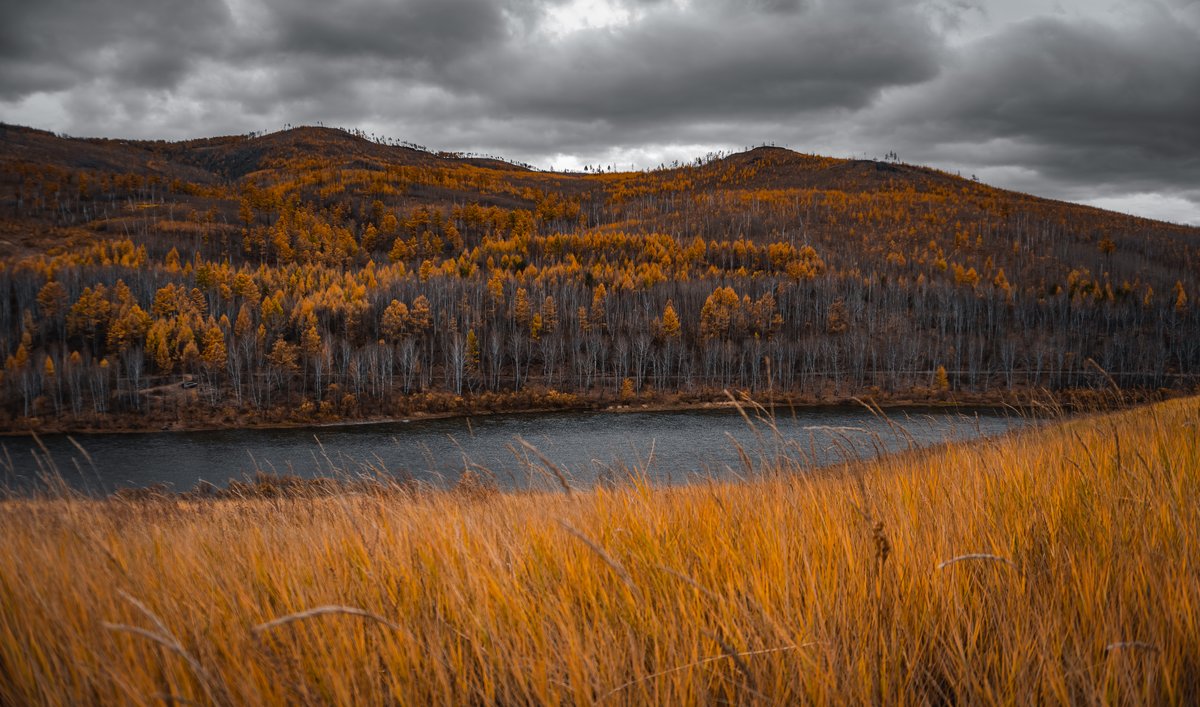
1056,565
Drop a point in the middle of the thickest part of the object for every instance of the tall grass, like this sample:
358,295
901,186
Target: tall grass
1055,565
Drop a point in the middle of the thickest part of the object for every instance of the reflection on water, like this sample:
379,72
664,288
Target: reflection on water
670,447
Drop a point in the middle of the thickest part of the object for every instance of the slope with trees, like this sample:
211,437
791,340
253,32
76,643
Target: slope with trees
319,274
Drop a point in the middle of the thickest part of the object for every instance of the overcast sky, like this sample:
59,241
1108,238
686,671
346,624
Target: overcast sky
1086,100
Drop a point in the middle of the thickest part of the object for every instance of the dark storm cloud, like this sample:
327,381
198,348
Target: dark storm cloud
1048,104
743,60
48,45
421,30
1082,102
716,58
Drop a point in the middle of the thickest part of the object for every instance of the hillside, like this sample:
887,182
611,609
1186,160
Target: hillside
315,274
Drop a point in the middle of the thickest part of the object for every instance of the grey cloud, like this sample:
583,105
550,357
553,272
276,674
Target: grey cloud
1082,102
717,58
424,30
58,44
748,60
713,60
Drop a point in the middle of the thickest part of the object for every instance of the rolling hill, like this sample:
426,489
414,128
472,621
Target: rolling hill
314,273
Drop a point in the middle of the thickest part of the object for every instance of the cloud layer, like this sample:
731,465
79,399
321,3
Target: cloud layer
1090,105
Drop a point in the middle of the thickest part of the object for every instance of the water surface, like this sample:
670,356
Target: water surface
669,447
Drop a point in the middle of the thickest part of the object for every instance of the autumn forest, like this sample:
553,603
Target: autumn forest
318,274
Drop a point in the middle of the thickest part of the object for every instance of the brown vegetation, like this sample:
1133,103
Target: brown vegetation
1054,566
313,274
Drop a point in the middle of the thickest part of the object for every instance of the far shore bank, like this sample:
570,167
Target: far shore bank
203,421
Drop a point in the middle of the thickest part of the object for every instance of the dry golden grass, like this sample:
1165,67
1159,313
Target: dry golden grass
1057,565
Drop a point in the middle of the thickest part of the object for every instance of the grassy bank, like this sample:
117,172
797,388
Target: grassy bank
1058,565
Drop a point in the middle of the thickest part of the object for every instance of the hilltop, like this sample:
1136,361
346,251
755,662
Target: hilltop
228,157
272,158
314,273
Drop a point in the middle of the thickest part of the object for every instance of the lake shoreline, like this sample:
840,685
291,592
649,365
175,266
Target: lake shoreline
1016,400
1074,400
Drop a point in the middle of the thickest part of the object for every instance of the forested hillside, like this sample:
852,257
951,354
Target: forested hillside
318,274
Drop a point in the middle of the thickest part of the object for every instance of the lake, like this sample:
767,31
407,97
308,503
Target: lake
670,447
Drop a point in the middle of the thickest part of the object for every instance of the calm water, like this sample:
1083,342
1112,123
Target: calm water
671,447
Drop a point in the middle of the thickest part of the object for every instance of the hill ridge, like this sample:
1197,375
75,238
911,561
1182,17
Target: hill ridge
234,157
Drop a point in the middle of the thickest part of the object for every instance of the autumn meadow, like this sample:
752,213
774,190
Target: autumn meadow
1058,565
